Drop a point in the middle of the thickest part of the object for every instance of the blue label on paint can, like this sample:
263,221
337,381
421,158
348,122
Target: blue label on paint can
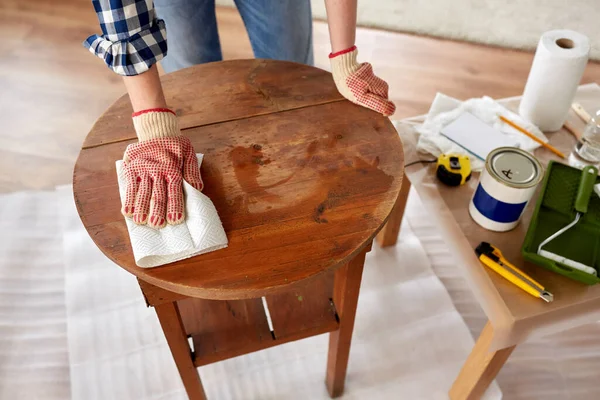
494,209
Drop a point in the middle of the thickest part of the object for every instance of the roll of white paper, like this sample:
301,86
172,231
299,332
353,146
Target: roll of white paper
556,71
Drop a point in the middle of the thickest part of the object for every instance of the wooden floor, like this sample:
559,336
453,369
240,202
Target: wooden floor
53,90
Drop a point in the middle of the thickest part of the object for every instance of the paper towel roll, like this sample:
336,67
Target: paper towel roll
556,71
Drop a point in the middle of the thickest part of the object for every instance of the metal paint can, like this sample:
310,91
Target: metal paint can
505,187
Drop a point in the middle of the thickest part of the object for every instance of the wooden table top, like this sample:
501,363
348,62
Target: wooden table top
514,314
301,178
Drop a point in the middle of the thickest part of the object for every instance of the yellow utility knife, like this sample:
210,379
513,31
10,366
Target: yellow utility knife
493,258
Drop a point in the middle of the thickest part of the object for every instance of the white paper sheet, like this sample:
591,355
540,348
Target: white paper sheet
200,233
475,136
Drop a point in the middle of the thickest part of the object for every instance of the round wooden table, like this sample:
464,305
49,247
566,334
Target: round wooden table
302,180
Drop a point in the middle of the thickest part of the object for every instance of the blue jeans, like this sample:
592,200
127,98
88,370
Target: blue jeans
278,29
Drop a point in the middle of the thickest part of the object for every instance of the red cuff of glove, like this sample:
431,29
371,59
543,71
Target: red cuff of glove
138,113
339,53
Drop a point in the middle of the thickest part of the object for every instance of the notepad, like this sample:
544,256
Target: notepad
475,136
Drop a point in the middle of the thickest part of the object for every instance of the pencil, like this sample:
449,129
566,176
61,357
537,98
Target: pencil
532,137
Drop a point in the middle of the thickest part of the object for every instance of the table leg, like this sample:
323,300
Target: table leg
172,326
480,369
346,287
389,233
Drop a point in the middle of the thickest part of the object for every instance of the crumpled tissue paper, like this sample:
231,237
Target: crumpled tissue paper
446,109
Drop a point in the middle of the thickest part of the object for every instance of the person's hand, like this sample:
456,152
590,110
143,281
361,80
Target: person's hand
358,83
155,168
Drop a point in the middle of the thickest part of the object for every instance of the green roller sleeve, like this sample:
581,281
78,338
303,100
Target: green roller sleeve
586,186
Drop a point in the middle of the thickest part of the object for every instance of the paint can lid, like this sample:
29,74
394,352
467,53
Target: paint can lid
514,167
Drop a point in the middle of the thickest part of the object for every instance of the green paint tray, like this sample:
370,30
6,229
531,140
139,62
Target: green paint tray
555,209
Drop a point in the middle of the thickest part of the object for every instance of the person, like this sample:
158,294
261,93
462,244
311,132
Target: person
134,39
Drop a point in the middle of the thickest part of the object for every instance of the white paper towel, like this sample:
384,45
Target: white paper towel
556,71
201,232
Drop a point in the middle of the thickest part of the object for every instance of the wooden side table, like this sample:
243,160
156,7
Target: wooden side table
514,316
302,180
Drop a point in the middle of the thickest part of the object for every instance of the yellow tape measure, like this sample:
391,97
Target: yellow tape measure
453,169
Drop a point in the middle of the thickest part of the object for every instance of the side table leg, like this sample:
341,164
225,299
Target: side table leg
389,233
480,369
345,298
172,326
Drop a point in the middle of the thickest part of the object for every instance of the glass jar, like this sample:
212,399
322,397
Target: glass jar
587,150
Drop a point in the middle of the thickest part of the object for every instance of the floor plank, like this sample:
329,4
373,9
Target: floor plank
53,90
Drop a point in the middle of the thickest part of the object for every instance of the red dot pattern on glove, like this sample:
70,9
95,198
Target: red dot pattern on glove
155,170
370,91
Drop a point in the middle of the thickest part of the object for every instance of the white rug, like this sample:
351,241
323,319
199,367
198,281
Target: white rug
116,350
409,341
33,341
515,24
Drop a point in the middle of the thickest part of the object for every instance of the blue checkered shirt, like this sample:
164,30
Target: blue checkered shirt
132,37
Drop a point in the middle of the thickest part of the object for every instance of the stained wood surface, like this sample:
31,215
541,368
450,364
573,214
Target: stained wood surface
224,329
345,297
229,90
155,296
300,191
172,326
202,359
389,234
303,308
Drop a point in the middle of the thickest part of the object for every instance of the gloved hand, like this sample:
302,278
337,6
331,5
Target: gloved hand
357,83
155,168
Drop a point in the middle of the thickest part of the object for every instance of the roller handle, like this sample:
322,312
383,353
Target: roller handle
586,186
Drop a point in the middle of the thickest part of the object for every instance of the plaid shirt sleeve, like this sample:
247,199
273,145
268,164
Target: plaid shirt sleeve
132,37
